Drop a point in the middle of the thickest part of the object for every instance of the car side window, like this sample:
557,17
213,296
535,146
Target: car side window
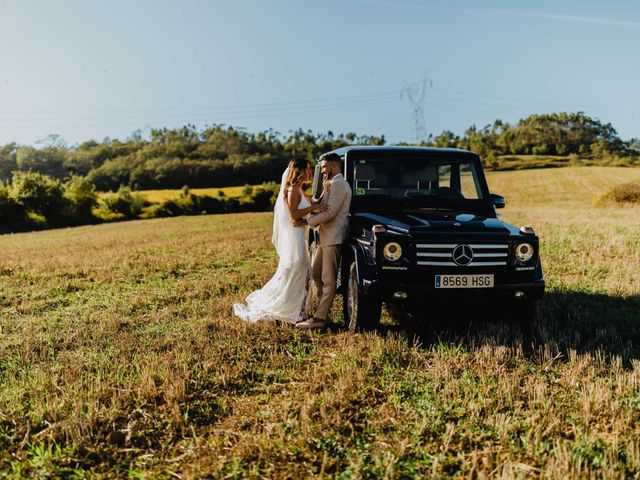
444,176
468,183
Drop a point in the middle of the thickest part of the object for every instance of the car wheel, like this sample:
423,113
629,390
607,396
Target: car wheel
524,313
361,311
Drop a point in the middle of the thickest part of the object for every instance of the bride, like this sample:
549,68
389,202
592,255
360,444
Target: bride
286,296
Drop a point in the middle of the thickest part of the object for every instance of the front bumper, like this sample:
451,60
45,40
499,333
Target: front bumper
418,293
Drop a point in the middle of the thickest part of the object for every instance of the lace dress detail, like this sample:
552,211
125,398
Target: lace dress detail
285,296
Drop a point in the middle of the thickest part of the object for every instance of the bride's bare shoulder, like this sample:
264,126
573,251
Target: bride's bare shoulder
292,194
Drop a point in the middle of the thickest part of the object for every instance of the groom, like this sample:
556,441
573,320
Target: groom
332,226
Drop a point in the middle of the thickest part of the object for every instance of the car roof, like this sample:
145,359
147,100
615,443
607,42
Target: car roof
404,150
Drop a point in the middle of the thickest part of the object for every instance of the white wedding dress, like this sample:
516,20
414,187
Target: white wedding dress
285,296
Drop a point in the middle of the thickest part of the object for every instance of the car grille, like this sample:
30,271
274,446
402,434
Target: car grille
441,254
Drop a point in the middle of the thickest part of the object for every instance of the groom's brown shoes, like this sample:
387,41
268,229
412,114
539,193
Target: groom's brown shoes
312,324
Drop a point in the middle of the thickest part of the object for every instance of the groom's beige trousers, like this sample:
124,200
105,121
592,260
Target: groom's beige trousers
324,268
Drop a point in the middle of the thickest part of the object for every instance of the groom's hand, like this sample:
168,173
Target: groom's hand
325,187
299,223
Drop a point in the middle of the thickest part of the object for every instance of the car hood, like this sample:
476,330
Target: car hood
416,222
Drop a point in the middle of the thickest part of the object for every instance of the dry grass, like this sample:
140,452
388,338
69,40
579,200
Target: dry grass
159,196
561,187
119,357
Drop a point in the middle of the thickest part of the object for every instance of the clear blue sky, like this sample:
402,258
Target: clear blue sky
91,69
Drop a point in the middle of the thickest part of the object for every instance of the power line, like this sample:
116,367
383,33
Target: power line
413,87
469,104
212,107
538,102
478,102
497,111
238,115
229,111
415,92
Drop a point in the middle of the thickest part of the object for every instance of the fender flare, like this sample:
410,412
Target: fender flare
538,271
365,268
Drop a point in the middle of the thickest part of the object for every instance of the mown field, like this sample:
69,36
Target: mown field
158,196
119,357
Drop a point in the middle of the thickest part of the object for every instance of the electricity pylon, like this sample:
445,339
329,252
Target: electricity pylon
415,92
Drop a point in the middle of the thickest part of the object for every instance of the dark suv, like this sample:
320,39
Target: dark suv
423,227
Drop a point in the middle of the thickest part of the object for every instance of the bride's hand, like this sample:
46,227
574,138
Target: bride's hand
319,207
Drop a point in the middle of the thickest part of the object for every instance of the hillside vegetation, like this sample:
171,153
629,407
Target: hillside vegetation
119,357
57,185
219,156
621,194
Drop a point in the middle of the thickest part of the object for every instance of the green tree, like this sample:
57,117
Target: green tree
11,212
40,194
82,197
8,161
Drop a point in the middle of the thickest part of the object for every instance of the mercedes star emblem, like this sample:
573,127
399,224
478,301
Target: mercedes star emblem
462,255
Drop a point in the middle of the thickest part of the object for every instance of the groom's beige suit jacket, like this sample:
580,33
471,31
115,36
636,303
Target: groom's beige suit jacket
333,228
334,223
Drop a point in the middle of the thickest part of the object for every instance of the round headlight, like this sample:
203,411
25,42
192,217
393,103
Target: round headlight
392,251
524,252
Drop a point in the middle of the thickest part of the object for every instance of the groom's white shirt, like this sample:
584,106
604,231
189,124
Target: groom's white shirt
333,224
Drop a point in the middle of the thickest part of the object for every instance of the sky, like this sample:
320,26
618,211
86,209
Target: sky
90,69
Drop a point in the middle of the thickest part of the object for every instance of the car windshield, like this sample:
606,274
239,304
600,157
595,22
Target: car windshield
420,178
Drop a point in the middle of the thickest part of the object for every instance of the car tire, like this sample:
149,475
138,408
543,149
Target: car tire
524,313
361,311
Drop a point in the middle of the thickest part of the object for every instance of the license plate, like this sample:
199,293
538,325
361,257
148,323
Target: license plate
464,281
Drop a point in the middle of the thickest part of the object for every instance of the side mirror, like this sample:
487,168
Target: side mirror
498,200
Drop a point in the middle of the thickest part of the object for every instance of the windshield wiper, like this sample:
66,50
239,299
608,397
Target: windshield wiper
375,194
438,208
425,195
435,201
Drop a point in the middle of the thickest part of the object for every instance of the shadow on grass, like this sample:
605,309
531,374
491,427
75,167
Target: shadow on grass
583,322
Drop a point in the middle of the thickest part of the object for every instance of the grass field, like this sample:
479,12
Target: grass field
158,196
119,357
562,187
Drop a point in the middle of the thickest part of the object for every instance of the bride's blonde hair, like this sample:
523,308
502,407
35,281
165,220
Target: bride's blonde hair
297,171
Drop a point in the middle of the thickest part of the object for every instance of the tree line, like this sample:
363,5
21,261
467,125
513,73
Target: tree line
213,157
220,155
34,201
553,134
58,185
